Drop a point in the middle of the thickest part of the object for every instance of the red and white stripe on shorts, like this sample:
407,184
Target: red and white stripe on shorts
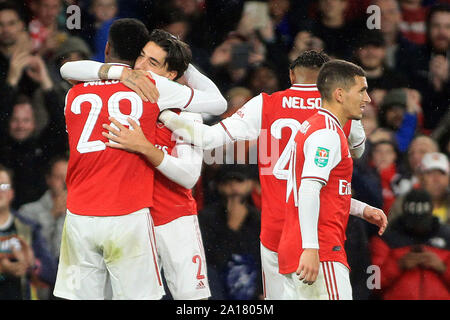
330,280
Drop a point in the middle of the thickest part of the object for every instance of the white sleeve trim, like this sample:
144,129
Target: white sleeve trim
357,139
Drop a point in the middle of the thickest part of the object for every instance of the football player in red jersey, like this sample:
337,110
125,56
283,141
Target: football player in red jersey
274,119
109,232
178,165
311,249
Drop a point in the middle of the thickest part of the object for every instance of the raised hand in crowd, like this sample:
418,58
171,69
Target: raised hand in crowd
439,71
37,70
22,260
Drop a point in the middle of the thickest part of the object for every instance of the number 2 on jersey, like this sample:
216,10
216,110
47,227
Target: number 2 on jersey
287,157
84,145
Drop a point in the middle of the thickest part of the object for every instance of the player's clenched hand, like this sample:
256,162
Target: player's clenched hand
308,267
138,81
132,140
376,217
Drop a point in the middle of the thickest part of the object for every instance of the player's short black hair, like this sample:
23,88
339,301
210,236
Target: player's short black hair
337,73
179,54
310,59
127,37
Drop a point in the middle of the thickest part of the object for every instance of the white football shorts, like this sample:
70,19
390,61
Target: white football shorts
109,257
333,283
182,257
273,281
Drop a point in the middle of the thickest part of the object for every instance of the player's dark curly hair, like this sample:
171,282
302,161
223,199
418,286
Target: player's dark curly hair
126,38
179,54
310,59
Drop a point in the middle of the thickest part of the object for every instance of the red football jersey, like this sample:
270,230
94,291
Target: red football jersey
104,181
335,196
283,113
170,200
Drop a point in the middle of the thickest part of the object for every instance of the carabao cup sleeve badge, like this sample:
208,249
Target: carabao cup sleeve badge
322,156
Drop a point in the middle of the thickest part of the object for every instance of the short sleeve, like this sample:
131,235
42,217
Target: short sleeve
357,136
322,151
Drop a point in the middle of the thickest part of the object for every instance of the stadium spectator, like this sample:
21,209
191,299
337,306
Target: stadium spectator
24,258
413,25
431,75
73,49
177,23
418,147
414,253
434,177
399,112
384,158
332,27
46,31
230,229
15,53
401,54
303,41
50,210
27,153
230,61
370,54
104,13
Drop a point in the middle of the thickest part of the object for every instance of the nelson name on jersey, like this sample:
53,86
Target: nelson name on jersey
301,103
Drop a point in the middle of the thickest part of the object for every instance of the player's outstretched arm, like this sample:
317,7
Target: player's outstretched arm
370,214
245,124
184,169
131,140
87,70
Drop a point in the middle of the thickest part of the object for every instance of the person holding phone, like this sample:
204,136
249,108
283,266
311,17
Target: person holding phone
414,253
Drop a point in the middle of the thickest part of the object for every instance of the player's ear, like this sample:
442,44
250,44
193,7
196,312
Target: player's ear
172,75
107,49
292,77
339,95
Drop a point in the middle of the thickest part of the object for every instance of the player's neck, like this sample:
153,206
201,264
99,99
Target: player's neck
336,111
304,76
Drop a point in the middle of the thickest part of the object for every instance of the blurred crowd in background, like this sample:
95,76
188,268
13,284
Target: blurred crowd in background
246,47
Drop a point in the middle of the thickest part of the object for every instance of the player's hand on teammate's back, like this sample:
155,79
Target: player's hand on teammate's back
308,267
132,140
377,217
139,82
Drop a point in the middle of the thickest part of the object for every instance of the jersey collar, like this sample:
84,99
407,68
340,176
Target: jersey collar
304,87
331,115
